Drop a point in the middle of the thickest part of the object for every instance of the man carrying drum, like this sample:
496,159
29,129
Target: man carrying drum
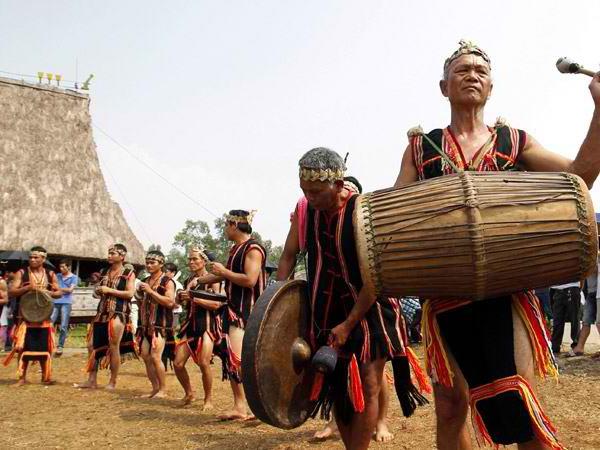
33,341
198,332
156,299
484,354
245,279
363,331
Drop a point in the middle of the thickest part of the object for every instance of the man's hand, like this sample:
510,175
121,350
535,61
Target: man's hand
102,290
144,287
217,269
595,89
339,335
184,296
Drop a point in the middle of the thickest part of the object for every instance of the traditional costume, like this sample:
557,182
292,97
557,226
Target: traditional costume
33,341
240,300
155,319
198,320
101,328
479,335
334,282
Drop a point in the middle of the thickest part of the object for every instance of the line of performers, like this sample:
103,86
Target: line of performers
212,326
481,355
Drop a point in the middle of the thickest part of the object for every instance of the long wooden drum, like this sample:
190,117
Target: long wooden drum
476,235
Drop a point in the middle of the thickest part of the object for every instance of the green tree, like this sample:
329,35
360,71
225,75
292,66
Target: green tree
197,232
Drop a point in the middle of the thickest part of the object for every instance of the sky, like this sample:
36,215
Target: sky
222,98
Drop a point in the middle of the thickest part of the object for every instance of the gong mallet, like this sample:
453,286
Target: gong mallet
565,65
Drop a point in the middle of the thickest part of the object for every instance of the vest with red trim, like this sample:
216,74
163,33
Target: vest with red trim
240,300
109,306
334,282
503,155
152,315
199,320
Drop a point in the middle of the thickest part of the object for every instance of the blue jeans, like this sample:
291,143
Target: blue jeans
65,315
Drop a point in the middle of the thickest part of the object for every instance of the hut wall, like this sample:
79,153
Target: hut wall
52,191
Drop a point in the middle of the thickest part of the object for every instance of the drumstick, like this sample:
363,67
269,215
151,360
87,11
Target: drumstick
565,65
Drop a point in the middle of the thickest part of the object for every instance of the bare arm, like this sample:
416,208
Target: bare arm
210,279
168,299
3,292
536,158
211,305
215,287
252,269
340,333
408,171
55,291
16,288
290,251
127,294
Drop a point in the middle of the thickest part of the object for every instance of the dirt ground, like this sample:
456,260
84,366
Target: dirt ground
59,416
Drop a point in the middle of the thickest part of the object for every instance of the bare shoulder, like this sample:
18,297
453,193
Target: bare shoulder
536,158
408,170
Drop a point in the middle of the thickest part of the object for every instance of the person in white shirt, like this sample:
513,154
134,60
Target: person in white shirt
171,270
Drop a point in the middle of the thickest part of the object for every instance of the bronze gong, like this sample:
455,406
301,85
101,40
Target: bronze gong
36,306
276,356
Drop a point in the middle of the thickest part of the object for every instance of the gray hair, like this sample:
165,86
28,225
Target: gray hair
322,158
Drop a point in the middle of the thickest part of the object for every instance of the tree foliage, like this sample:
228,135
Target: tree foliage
197,232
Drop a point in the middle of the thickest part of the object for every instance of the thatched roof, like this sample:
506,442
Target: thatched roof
52,189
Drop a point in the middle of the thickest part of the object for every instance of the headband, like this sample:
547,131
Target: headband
120,251
155,257
242,219
466,48
200,251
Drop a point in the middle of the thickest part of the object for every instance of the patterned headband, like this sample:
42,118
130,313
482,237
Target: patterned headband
200,251
467,48
331,175
118,250
242,219
38,253
154,257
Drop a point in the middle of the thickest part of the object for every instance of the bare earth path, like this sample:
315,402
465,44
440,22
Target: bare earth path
60,416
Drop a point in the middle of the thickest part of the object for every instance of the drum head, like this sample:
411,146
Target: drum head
36,306
276,357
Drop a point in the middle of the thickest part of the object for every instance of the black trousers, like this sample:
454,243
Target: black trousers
566,304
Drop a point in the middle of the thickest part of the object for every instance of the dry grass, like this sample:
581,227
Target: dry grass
63,417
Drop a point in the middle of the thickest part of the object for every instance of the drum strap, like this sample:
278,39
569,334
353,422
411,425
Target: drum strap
442,154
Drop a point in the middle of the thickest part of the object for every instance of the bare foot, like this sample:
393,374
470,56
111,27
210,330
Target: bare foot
187,400
150,395
110,387
48,382
160,394
382,433
207,406
234,415
327,432
85,385
21,382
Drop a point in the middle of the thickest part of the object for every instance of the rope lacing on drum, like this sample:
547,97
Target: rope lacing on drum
583,224
374,262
